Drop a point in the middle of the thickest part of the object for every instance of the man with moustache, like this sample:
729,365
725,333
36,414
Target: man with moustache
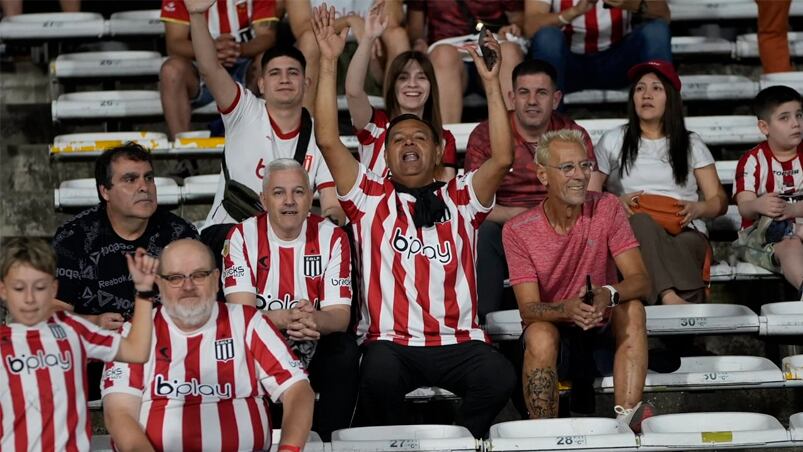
212,366
91,247
535,98
579,235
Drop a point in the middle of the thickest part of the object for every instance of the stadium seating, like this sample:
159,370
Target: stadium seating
52,26
107,64
314,443
404,437
561,434
697,45
83,193
792,79
783,318
796,428
747,45
686,431
136,23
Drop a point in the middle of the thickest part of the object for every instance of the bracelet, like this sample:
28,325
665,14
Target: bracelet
562,19
289,448
148,295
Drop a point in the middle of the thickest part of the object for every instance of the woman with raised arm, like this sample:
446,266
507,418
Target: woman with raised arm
410,88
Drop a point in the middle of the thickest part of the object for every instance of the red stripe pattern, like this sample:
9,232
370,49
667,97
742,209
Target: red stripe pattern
207,390
595,31
233,17
43,402
420,286
760,172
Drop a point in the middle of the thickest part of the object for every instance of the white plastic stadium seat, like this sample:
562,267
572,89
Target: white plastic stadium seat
375,101
561,434
107,64
712,9
101,443
83,193
404,437
792,367
461,132
782,318
726,170
747,45
701,45
717,87
720,130
791,79
708,372
700,319
796,427
314,443
597,127
596,96
95,143
52,26
113,104
200,188
717,430
145,22
503,325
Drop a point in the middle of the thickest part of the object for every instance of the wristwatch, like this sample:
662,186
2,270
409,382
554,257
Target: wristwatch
147,294
614,295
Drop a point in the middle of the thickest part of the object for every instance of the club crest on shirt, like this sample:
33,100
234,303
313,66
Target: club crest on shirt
224,349
58,331
312,266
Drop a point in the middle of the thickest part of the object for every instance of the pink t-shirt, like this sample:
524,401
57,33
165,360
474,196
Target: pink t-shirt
560,263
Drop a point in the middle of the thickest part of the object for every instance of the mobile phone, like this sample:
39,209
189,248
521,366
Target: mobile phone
589,296
488,55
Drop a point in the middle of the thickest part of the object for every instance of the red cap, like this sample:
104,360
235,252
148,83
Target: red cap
662,67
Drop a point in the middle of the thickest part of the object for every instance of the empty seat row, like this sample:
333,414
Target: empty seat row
713,10
781,318
680,431
80,25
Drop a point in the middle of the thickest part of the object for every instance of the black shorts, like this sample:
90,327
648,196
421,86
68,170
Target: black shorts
583,355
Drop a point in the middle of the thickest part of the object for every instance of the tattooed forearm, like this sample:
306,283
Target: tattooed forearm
541,393
546,311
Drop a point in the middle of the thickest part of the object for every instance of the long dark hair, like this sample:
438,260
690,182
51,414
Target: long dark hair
674,128
432,109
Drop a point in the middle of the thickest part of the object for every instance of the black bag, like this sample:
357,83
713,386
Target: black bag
240,201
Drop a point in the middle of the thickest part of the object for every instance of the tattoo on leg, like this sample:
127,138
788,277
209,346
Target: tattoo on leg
541,393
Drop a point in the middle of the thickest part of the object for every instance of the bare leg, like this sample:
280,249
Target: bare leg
70,6
789,253
178,83
669,296
11,7
540,376
511,57
630,361
395,41
452,79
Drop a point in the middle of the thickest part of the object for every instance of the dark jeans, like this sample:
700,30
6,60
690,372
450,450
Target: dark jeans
473,370
491,270
333,374
606,69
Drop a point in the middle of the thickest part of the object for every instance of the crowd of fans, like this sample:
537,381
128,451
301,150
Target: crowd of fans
382,288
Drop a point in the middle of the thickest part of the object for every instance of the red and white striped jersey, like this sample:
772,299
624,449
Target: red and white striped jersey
419,284
233,17
372,144
760,172
206,390
316,266
596,30
43,400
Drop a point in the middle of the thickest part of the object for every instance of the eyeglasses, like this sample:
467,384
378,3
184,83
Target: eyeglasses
177,279
568,169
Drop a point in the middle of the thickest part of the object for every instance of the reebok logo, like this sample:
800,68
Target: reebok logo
410,246
41,360
179,389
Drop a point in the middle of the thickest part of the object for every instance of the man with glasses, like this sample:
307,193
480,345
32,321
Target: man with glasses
205,384
296,267
563,257
535,97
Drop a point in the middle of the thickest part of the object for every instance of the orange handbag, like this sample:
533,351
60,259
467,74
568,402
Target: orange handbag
663,209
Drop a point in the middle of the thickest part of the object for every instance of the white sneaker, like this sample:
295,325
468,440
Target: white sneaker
632,417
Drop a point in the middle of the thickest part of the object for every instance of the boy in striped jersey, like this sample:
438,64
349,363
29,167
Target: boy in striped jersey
770,237
44,354
417,243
